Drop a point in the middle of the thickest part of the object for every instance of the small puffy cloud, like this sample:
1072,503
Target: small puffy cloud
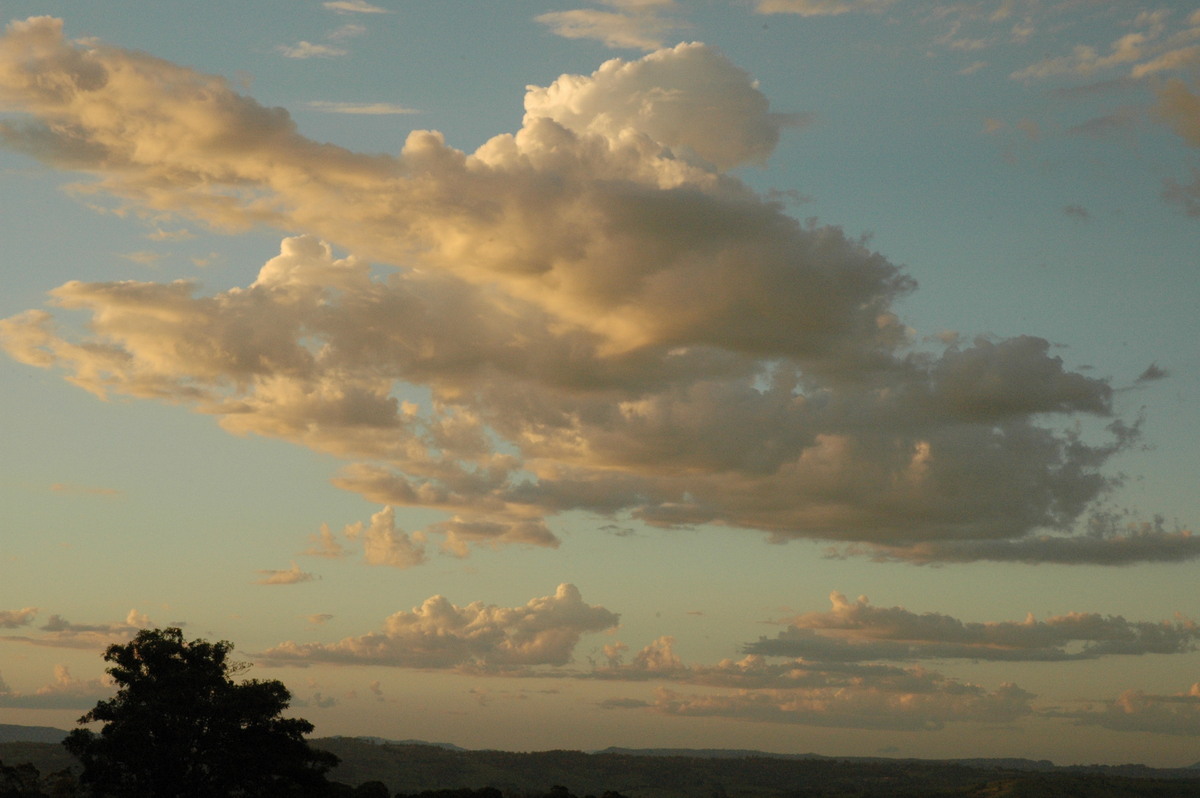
354,7
856,631
12,619
291,576
324,544
385,544
633,24
597,314
1153,373
1136,711
439,634
319,618
364,109
1077,212
65,692
819,8
304,49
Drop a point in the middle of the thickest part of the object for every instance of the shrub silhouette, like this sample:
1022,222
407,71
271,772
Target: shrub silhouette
179,727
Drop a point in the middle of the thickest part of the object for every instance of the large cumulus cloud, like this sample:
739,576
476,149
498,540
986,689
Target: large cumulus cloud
439,634
589,314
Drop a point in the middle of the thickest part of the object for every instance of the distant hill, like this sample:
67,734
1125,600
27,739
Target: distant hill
11,733
409,768
682,773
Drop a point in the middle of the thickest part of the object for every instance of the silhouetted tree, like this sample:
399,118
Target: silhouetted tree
179,727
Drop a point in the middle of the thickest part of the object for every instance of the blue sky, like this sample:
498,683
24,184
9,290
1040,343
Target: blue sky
805,375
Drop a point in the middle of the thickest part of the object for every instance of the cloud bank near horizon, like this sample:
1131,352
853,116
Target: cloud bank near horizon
592,314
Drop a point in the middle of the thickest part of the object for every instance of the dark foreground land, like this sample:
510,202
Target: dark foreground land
444,772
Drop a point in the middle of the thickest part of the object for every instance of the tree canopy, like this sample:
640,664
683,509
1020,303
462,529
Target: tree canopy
180,727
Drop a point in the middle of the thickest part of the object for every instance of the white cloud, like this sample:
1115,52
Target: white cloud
439,634
290,576
635,24
304,49
604,318
384,544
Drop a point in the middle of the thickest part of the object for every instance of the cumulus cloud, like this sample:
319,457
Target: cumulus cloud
856,631
593,313
290,576
11,619
384,544
65,692
633,24
479,636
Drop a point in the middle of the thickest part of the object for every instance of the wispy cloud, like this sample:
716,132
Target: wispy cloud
304,49
368,109
354,7
634,24
820,8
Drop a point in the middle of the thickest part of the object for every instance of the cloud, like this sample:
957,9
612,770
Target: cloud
594,314
635,24
439,634
384,544
819,8
857,709
354,7
65,692
12,619
319,618
857,632
1107,542
1136,711
1153,373
1077,212
304,49
61,633
367,109
1157,43
290,576
324,544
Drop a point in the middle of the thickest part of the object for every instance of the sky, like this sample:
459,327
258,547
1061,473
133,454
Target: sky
793,375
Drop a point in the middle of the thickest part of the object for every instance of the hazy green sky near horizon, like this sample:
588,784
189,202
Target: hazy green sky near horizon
801,375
